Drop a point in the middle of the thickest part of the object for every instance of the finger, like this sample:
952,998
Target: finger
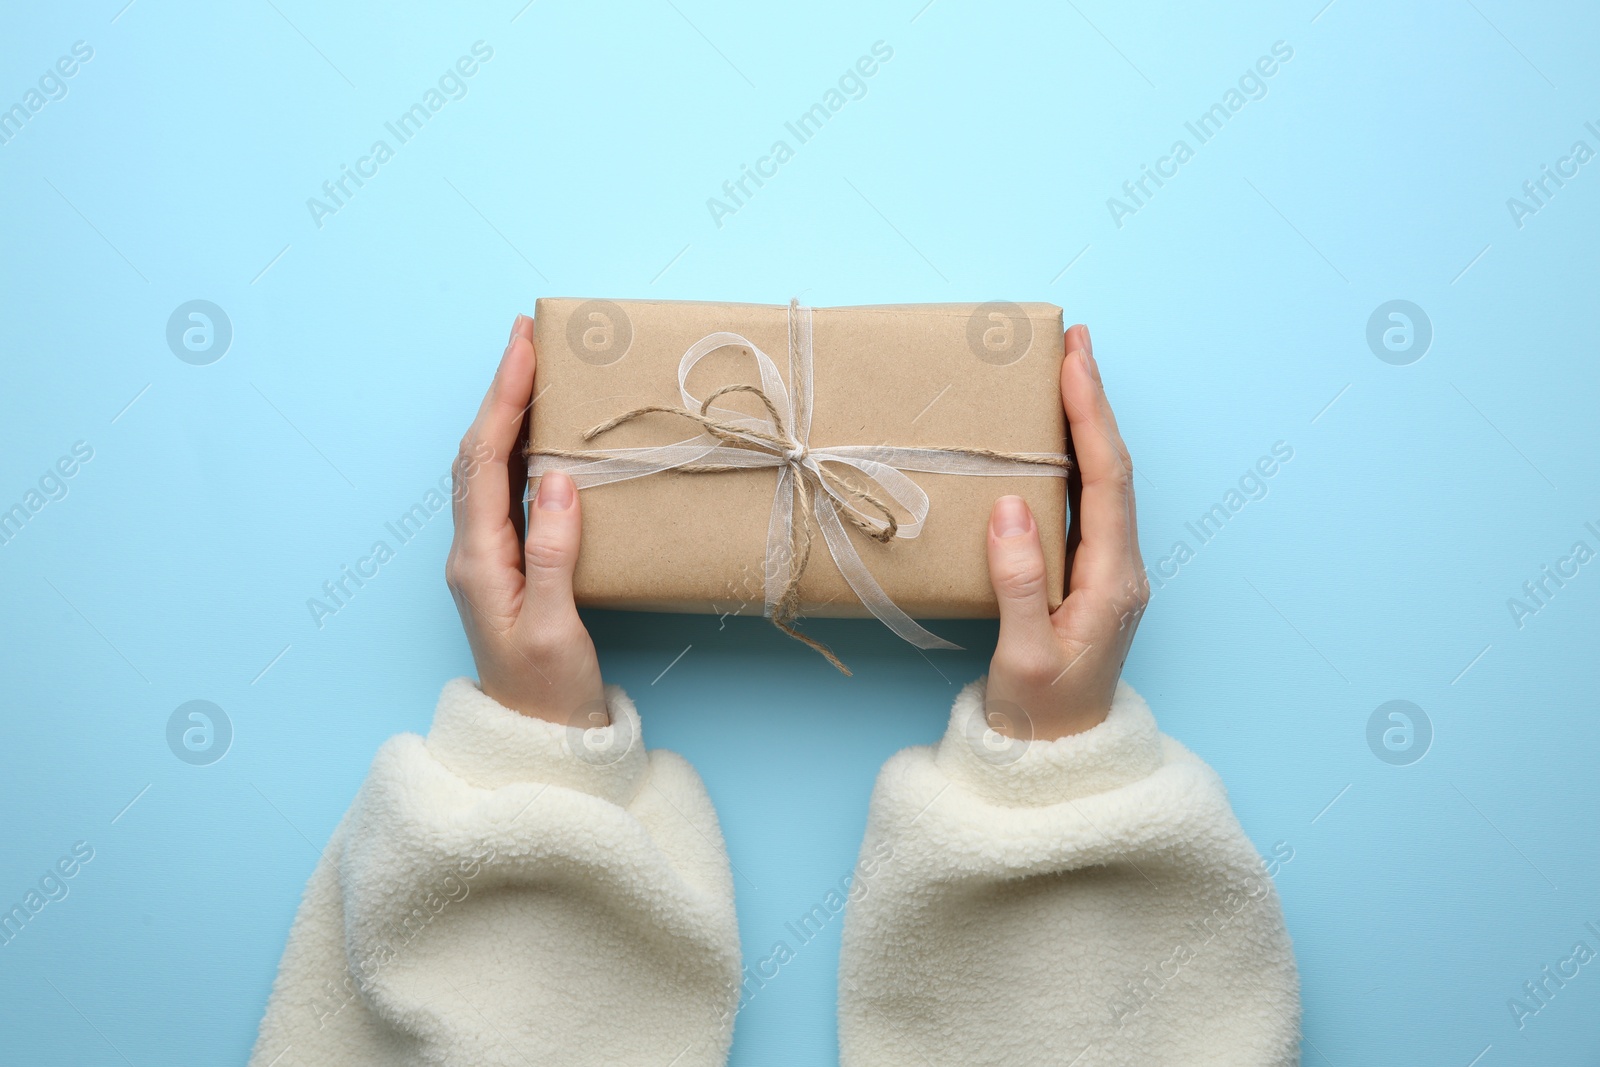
521,326
555,528
483,486
1016,570
1107,555
517,462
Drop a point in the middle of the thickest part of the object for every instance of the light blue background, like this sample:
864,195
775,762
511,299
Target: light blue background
1229,313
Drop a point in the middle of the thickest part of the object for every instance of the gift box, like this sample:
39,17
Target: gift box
707,487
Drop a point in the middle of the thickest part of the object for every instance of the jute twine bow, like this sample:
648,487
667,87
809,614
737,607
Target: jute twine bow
806,486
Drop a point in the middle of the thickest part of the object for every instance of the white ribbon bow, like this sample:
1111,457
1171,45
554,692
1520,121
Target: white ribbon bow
883,464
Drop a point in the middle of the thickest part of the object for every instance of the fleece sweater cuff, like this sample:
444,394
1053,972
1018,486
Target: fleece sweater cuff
490,746
1125,748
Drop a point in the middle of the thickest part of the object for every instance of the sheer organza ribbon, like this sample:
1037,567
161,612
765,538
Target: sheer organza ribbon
732,440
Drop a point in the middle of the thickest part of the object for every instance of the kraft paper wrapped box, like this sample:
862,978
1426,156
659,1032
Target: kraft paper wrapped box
965,376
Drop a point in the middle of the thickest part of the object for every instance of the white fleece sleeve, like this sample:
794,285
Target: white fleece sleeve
514,892
1088,901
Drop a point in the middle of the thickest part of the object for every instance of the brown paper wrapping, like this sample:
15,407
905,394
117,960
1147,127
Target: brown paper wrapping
929,375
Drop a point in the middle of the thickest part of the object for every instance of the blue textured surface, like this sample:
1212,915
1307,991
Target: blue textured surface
1230,310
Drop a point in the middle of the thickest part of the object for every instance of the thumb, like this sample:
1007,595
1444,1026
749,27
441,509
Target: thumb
1016,570
555,526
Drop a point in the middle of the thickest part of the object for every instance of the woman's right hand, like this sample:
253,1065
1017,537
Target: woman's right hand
1055,673
515,597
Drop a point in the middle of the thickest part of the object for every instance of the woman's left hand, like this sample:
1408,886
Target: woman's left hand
1055,673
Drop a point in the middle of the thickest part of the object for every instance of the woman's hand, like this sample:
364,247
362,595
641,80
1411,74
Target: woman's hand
1055,673
515,598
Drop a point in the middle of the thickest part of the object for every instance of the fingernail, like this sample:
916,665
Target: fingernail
555,492
1089,363
1011,517
1077,339
516,326
1081,345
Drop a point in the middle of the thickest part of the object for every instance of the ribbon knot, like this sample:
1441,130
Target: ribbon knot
731,440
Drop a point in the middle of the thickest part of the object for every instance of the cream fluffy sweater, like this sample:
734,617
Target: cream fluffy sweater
513,892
